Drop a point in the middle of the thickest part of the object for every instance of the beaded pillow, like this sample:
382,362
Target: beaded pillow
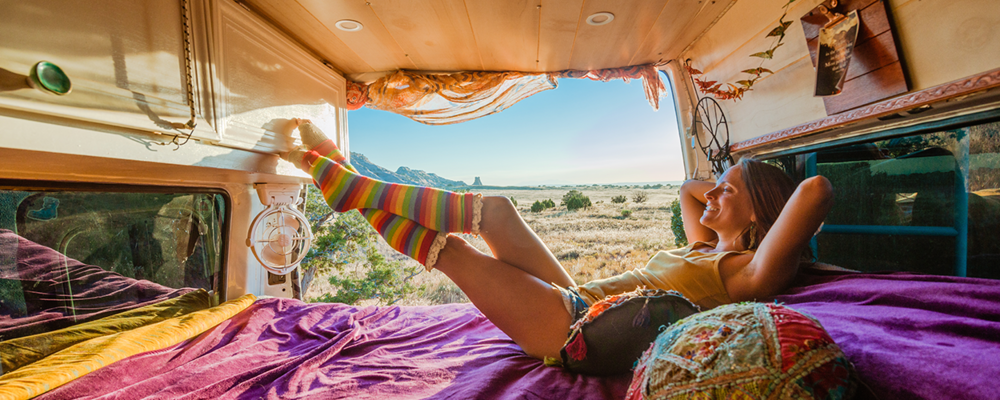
615,331
746,351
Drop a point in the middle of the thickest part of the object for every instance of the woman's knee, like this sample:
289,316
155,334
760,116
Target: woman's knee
498,210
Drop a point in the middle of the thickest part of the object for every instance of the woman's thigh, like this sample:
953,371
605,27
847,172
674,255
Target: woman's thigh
522,305
513,242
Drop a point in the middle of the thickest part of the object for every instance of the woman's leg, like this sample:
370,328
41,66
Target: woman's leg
521,304
512,241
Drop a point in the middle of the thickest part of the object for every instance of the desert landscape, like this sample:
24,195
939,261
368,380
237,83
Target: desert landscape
591,243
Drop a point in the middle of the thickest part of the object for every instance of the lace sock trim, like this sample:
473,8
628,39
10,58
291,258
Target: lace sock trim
477,213
432,255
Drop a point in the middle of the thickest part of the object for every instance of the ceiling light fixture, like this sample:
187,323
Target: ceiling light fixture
348,25
600,18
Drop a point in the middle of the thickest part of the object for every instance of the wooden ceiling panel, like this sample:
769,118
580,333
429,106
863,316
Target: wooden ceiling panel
614,44
506,33
496,35
557,32
303,26
374,43
680,23
437,36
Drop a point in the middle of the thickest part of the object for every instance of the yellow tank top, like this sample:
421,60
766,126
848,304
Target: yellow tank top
693,273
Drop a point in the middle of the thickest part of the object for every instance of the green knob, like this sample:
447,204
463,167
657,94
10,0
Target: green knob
49,78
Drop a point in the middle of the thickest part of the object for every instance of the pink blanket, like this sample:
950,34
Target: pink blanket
286,349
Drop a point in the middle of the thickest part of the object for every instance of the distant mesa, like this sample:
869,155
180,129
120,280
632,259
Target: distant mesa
402,175
477,182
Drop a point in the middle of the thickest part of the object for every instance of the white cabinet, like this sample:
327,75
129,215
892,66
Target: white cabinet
126,59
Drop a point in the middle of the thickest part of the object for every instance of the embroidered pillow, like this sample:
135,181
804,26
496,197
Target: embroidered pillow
616,330
747,351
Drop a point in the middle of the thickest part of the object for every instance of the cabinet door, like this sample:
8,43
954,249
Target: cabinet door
264,79
125,59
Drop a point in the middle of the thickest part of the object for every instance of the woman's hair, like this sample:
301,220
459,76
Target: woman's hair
769,188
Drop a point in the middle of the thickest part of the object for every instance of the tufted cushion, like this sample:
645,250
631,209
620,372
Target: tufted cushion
613,334
745,351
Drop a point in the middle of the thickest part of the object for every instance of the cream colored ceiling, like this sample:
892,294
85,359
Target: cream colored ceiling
497,35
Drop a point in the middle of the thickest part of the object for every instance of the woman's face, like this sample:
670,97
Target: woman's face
729,210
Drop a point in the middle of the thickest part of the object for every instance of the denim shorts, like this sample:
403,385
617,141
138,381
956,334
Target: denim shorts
574,303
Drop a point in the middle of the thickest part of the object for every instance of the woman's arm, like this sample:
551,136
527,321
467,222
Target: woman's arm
692,197
776,261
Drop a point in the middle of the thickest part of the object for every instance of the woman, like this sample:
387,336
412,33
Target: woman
745,244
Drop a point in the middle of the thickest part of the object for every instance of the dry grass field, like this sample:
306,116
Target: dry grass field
591,243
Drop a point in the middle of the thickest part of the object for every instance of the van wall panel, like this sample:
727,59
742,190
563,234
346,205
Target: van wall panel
778,104
945,40
940,40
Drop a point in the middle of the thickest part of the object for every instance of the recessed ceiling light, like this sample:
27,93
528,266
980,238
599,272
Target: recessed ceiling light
600,18
349,25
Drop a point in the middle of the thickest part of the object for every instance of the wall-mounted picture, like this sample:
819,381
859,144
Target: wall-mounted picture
836,44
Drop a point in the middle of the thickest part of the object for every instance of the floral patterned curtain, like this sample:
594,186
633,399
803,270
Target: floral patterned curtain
441,99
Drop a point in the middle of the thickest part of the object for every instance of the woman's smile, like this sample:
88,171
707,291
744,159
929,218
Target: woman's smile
728,210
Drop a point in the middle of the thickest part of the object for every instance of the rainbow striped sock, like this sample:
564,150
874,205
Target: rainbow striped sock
407,236
437,209
329,150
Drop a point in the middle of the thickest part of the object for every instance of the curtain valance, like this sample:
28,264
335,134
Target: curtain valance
441,99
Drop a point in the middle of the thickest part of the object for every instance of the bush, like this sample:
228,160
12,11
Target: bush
619,199
677,224
388,281
639,197
626,213
542,205
574,200
513,201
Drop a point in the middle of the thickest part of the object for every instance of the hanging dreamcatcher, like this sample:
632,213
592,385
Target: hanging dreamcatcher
710,122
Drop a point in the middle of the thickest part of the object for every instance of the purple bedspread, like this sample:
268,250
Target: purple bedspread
911,336
286,349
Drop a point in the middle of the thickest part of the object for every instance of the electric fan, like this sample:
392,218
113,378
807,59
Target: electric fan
279,236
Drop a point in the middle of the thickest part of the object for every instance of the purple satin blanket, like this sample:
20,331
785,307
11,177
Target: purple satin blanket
911,336
286,349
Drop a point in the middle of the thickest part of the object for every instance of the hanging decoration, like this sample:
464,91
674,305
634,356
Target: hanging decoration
649,73
710,120
736,91
441,99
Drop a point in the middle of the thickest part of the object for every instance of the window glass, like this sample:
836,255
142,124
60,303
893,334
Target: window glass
908,181
927,203
71,256
984,201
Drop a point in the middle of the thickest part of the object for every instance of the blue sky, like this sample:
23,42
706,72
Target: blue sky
583,132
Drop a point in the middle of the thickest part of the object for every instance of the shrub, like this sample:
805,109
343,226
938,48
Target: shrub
542,205
639,197
626,213
677,224
619,199
388,281
574,200
344,239
513,201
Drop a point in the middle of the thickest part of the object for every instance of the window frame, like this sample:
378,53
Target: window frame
217,293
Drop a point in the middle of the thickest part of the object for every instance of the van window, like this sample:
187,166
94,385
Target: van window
927,203
70,255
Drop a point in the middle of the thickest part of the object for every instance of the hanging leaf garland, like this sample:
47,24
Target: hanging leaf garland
736,91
